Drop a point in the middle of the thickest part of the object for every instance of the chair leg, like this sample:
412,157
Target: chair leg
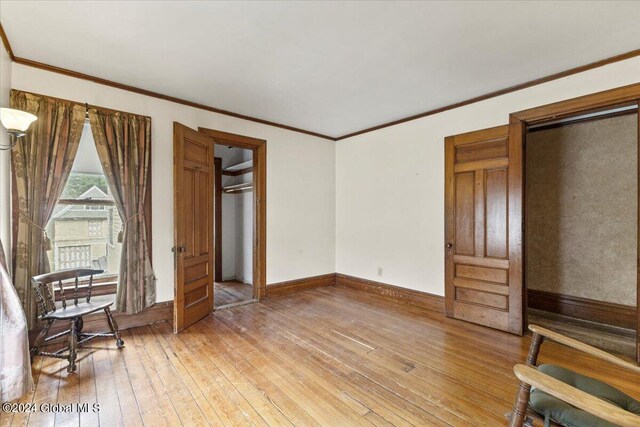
35,349
79,326
114,327
519,413
73,344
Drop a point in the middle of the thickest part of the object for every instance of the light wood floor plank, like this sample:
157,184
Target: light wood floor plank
327,356
160,332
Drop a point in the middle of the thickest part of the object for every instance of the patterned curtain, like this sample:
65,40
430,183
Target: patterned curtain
15,362
123,142
42,161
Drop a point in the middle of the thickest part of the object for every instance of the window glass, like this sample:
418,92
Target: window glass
85,224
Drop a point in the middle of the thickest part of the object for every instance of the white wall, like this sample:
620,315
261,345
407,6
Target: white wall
228,236
390,183
5,157
244,237
300,177
237,219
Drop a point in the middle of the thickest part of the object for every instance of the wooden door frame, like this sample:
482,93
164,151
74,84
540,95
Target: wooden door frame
259,148
519,121
217,214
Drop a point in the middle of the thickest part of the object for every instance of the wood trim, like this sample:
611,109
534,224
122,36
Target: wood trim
531,83
233,139
569,122
515,224
122,86
5,42
623,316
395,293
259,147
619,96
611,98
637,323
96,322
99,80
217,237
297,285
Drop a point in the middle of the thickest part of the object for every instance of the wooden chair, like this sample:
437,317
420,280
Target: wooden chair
71,313
529,375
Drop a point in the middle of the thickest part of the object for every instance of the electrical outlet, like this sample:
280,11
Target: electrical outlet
380,271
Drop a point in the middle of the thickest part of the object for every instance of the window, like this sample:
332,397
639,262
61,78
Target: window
85,223
74,256
95,228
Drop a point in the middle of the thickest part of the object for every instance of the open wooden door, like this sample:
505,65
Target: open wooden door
483,229
193,184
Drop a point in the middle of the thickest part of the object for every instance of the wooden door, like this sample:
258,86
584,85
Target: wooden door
483,229
193,184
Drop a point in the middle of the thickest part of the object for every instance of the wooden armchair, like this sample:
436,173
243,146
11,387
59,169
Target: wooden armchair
70,312
530,376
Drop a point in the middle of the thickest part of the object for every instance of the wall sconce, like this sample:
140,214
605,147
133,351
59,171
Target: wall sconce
16,122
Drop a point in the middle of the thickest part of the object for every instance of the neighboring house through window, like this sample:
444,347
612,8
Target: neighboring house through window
85,224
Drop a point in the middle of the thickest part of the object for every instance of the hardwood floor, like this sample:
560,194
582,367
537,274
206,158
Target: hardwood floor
327,356
615,340
230,292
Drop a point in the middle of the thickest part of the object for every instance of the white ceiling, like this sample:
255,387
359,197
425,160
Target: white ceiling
328,67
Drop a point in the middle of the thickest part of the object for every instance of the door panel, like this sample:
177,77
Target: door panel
193,225
483,246
496,206
465,241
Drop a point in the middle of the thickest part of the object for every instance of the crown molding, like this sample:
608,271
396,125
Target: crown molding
531,83
122,86
5,42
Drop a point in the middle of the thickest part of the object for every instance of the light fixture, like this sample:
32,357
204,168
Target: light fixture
16,122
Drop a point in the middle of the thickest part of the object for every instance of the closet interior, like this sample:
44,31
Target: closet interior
581,227
234,191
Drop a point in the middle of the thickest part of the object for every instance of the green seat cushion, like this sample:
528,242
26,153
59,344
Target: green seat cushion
567,415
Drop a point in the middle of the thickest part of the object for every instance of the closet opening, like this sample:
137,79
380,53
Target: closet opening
234,216
581,226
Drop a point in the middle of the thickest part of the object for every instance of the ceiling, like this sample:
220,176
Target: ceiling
327,67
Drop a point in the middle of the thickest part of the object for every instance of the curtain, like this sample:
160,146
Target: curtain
42,161
123,142
15,363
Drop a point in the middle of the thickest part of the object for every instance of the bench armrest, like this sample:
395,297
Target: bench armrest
584,348
575,397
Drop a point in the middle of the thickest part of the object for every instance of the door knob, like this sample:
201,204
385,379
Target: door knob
449,245
178,249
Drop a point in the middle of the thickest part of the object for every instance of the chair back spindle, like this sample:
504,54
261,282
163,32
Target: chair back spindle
43,283
75,292
62,295
89,289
